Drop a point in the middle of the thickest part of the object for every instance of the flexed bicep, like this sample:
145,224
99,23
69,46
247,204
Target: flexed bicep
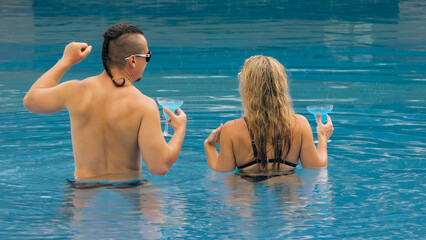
45,95
49,100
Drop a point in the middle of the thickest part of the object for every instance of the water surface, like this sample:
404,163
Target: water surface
367,58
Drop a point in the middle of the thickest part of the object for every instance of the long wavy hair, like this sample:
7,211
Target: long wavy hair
267,107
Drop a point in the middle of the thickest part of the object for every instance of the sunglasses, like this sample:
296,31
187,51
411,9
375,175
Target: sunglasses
146,56
240,76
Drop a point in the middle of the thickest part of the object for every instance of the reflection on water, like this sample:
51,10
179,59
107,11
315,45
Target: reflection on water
95,213
298,199
236,207
245,195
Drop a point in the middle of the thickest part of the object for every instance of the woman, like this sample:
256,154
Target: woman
270,136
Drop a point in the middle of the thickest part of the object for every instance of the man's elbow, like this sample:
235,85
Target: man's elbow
160,173
159,170
28,103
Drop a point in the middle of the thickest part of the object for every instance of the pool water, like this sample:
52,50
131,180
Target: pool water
367,58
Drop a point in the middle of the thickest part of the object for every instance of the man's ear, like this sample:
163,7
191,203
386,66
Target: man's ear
132,61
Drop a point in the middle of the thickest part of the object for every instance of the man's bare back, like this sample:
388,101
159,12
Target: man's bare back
104,127
112,127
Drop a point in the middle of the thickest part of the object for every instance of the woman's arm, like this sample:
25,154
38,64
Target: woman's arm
224,161
312,157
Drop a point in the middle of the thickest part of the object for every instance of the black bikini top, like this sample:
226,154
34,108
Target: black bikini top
253,145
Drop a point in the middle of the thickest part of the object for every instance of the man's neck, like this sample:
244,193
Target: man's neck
120,77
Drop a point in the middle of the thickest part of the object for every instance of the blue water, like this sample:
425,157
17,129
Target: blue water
367,58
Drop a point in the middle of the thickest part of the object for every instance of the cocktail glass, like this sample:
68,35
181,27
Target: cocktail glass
171,104
323,109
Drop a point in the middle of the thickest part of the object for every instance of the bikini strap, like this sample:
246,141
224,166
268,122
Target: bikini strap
284,162
253,145
269,161
248,164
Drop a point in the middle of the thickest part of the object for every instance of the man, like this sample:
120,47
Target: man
113,125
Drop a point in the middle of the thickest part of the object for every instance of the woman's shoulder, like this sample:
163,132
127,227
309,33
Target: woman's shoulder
235,123
234,127
300,122
299,118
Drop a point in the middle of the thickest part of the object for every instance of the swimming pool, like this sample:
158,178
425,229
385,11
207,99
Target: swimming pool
367,58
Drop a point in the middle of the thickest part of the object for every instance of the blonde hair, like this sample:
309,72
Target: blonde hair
267,106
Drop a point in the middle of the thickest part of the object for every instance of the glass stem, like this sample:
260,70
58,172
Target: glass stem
166,128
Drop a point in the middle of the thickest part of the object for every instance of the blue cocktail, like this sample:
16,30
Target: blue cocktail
172,105
323,109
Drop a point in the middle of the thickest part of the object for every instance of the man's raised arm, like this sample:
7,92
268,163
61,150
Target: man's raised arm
46,96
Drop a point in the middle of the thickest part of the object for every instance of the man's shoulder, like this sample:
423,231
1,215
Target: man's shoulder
79,84
143,102
73,88
142,99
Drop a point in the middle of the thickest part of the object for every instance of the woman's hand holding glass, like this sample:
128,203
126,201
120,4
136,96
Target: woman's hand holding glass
324,131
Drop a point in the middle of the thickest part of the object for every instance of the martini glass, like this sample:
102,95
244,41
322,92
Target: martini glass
171,104
323,109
